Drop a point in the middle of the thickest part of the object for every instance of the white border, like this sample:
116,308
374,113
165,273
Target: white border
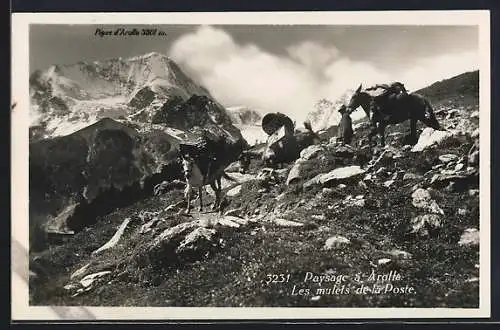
20,140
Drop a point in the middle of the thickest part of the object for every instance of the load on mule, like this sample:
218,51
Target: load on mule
285,143
394,106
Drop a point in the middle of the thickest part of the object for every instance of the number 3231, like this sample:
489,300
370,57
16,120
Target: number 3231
277,278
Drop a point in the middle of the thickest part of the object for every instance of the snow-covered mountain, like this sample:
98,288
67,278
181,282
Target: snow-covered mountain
242,115
248,121
325,113
65,98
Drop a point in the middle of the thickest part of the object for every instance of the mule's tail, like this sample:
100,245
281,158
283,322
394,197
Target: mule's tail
430,118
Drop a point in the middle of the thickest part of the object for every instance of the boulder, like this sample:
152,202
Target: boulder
423,223
89,280
295,173
422,200
475,133
310,152
470,237
287,223
430,137
198,240
388,183
473,158
171,235
383,261
341,174
336,241
336,176
446,158
462,178
399,254
80,272
89,173
411,176
234,191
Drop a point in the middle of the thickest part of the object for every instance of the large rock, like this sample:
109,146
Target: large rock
422,224
311,152
341,174
336,241
430,137
198,240
446,158
461,178
305,155
336,176
470,237
295,173
423,200
75,178
170,237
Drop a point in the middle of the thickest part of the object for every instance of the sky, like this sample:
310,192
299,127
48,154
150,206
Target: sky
283,68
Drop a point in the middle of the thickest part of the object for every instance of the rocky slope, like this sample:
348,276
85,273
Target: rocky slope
402,222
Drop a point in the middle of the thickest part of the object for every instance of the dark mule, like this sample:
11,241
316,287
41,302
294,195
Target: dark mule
411,106
195,179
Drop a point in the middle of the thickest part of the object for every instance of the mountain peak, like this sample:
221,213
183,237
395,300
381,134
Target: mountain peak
149,56
86,91
54,69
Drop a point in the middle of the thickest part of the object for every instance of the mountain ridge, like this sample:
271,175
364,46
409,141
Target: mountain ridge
66,97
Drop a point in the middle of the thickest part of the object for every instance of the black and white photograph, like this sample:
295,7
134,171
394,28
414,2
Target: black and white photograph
324,167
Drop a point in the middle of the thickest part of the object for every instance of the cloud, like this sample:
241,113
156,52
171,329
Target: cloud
312,55
293,82
431,69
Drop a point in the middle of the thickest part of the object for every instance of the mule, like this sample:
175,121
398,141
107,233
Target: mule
413,107
195,179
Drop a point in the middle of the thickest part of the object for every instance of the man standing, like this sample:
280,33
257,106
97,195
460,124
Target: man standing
345,131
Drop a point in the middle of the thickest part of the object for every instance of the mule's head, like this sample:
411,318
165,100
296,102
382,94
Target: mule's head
244,161
187,165
358,99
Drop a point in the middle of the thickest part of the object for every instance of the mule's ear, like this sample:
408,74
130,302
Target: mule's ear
359,88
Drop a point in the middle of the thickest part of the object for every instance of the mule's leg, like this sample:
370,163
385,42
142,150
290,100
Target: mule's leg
381,132
372,133
413,131
218,194
213,185
187,194
200,192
